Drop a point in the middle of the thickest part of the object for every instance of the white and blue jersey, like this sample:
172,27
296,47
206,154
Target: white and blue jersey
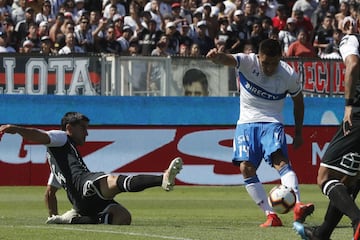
262,97
260,129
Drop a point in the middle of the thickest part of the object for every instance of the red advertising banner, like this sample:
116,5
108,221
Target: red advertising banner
206,151
321,77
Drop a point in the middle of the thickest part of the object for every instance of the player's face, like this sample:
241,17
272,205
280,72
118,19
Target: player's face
78,132
268,64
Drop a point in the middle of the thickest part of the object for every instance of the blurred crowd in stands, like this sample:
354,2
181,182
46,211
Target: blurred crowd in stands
305,28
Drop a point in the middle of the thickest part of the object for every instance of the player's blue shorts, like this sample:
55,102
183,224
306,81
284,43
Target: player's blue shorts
254,142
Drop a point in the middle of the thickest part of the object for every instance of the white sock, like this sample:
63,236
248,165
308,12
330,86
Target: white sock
258,194
289,179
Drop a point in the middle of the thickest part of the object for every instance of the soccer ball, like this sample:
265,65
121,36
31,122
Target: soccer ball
282,199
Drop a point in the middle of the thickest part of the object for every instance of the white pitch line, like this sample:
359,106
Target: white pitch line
114,232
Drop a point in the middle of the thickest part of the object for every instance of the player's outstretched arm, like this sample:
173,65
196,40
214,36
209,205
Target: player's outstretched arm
221,58
31,134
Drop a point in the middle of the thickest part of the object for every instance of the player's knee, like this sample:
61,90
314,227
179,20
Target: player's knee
120,216
322,177
247,169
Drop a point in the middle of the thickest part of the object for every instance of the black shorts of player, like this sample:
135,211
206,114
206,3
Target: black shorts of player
343,153
94,206
87,199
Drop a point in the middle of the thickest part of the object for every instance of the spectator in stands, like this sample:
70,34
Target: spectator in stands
211,21
8,28
55,29
145,19
344,10
22,27
124,40
184,50
119,8
262,10
94,18
250,14
83,35
153,7
161,47
4,48
112,12
133,19
204,42
257,35
195,83
109,43
175,12
220,44
332,50
303,22
274,34
18,13
46,46
195,50
288,35
324,34
26,47
197,17
323,9
302,47
118,22
45,14
68,27
43,29
5,9
279,21
183,34
148,37
308,7
134,50
70,46
173,36
185,11
33,37
78,10
248,48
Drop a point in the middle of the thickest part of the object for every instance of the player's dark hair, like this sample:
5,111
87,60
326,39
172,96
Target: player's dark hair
270,47
72,118
195,75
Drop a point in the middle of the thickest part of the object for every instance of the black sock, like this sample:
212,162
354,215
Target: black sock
138,183
331,219
341,199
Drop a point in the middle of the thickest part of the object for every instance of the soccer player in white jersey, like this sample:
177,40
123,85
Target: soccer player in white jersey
265,81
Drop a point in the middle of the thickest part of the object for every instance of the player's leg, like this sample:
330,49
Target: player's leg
337,174
248,155
113,185
288,178
275,147
257,192
115,214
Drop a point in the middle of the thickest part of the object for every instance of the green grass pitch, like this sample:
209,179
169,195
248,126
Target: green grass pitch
187,213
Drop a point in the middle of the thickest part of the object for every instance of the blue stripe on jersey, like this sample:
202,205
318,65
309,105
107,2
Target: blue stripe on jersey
255,90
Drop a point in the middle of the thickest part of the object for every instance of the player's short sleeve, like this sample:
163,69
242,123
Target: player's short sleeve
57,138
293,79
53,182
349,45
243,60
295,85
